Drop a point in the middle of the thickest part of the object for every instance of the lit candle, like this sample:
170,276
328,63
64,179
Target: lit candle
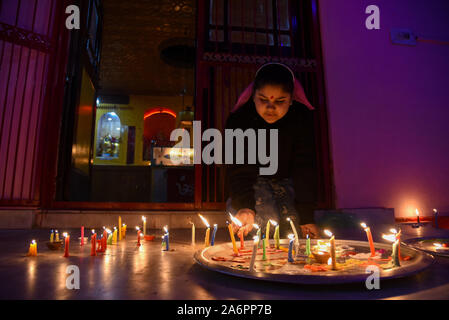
82,236
276,234
294,230
32,251
267,232
123,231
119,228
308,251
332,245
109,236
240,234
438,246
253,257
52,236
290,248
93,240
114,236
264,248
398,238
138,236
417,214
394,250
104,240
56,236
66,245
166,238
212,242
193,233
206,238
231,234
436,217
370,238
259,232
144,219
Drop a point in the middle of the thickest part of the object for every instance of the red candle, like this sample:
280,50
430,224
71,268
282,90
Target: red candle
138,236
66,245
93,241
242,240
370,239
104,240
82,236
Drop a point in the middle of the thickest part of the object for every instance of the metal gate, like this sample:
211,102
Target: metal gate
32,62
234,39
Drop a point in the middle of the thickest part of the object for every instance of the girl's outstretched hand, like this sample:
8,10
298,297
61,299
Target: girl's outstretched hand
246,217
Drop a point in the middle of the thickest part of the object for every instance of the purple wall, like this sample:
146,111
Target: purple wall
388,105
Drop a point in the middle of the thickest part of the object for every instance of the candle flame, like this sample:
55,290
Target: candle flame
166,229
93,231
144,219
33,241
390,237
435,210
438,245
274,223
417,212
115,228
56,231
65,234
288,219
394,231
329,261
307,236
137,228
256,239
204,221
256,226
364,226
235,220
108,231
328,233
291,236
123,225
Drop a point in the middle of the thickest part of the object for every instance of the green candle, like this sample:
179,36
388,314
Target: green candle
264,245
308,252
110,237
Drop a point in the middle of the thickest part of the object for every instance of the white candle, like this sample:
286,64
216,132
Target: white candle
144,219
253,257
193,233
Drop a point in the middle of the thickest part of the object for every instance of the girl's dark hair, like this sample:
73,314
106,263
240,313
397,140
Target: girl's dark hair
276,75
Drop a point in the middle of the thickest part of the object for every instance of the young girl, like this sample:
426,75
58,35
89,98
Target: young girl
275,100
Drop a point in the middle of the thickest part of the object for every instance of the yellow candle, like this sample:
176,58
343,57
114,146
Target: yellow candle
206,238
267,232
231,233
119,228
124,231
144,219
32,251
52,236
114,236
332,245
56,236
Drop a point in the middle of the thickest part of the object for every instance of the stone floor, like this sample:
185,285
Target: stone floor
128,272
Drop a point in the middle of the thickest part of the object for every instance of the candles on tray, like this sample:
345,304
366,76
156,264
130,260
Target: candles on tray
206,238
32,251
254,254
231,234
214,232
66,244
193,233
290,248
240,234
52,236
93,240
332,247
395,248
144,219
370,238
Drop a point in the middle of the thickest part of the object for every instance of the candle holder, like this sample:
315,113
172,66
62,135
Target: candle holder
55,245
321,256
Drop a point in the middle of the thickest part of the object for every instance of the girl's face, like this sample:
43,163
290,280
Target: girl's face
272,102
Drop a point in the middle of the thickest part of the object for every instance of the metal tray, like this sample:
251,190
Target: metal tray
420,261
415,244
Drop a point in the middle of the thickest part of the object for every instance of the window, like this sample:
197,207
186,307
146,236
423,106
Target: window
108,136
